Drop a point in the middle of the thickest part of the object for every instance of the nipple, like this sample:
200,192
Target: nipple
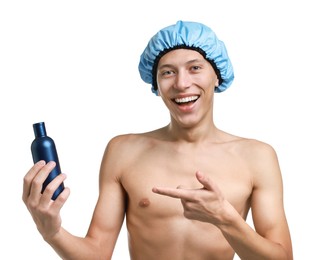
144,203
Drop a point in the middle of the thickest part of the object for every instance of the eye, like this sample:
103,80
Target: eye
195,68
166,73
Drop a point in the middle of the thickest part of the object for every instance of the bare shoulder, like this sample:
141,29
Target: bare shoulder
258,152
128,144
260,157
255,149
248,148
124,150
262,161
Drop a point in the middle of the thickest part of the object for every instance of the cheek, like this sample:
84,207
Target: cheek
207,85
212,83
163,87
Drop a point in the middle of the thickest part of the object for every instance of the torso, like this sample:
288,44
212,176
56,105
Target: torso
156,226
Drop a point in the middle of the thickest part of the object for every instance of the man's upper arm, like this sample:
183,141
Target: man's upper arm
110,208
267,199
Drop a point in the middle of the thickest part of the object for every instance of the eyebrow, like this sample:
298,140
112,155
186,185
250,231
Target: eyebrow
188,62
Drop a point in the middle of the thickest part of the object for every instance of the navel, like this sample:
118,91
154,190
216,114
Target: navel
144,203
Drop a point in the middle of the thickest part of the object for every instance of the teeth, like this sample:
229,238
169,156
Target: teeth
186,99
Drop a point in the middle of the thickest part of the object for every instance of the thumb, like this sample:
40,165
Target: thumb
204,180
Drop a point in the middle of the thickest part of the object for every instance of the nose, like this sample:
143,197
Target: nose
183,80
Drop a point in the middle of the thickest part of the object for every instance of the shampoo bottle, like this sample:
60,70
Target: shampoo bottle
43,148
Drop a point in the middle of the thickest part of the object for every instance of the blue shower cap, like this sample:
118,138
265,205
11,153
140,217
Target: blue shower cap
186,35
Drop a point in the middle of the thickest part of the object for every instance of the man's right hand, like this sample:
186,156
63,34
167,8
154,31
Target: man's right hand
44,211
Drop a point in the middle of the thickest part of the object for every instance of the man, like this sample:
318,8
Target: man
186,188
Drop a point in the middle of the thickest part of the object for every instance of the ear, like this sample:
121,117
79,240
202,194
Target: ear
216,83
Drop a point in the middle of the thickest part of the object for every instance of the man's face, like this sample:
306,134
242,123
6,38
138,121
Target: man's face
186,83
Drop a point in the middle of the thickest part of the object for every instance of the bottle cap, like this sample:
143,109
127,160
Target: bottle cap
39,129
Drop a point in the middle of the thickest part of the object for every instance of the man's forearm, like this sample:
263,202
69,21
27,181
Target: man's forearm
70,247
248,244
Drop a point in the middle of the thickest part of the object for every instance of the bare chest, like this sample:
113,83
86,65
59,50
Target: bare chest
174,169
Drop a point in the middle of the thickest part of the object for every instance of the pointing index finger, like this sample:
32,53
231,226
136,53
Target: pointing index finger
170,192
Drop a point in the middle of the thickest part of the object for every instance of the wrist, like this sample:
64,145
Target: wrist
52,237
229,216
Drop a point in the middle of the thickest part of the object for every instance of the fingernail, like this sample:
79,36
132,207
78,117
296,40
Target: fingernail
51,163
41,163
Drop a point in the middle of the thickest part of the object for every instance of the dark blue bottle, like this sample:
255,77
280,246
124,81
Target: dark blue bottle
43,148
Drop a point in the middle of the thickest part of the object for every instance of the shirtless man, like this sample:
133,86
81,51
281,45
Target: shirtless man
186,188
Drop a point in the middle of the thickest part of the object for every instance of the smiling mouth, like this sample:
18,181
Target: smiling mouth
185,100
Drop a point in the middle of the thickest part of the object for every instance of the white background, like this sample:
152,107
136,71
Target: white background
73,64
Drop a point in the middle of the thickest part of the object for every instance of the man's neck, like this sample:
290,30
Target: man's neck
196,134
